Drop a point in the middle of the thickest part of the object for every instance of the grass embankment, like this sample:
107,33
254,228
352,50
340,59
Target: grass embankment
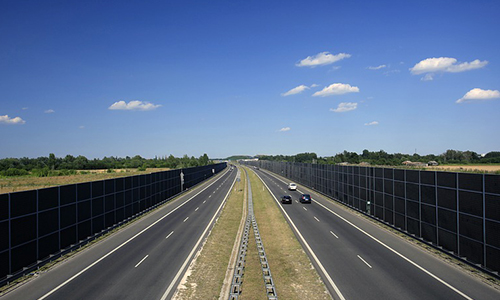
292,271
209,269
23,183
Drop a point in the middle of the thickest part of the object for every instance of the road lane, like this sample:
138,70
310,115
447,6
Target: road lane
116,276
391,276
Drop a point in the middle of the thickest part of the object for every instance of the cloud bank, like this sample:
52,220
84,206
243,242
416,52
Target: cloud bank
336,89
11,121
478,94
295,90
345,107
133,105
445,64
322,59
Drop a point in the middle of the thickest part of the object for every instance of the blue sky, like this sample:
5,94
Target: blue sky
153,78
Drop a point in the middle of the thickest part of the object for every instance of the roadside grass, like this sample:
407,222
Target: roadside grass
23,183
206,275
294,276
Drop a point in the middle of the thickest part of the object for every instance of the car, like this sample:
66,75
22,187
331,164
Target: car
305,198
286,199
292,186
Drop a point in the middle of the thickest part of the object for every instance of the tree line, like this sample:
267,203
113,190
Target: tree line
383,158
53,166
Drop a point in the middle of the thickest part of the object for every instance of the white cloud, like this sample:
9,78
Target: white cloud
314,85
427,77
49,111
133,105
337,89
321,59
345,107
24,108
81,127
284,129
377,68
371,123
479,94
11,121
445,64
295,90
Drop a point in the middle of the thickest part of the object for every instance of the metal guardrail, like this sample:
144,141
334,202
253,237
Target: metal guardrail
240,264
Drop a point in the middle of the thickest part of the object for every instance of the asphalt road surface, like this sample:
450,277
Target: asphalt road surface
145,260
360,260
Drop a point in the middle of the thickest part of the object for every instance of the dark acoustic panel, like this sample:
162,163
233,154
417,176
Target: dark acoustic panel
429,233
97,224
84,230
471,203
492,184
84,210
413,226
109,186
362,181
428,194
48,221
379,199
68,194
472,250
399,189
447,219
412,176
97,206
83,191
447,198
68,215
412,191
379,184
68,237
22,203
120,214
492,261
389,216
119,184
399,174
427,177
48,245
448,240
109,219
471,182
4,264
400,205
412,209
388,173
428,214
48,198
23,230
128,197
23,256
97,189
492,207
447,179
4,236
379,172
128,183
388,187
109,203
471,227
493,233
399,221
388,202
120,199
4,207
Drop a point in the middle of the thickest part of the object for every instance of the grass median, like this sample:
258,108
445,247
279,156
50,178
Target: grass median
294,276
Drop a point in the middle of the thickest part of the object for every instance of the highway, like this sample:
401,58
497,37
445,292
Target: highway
359,260
145,260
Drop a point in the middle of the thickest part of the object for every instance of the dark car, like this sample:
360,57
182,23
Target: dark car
286,199
305,198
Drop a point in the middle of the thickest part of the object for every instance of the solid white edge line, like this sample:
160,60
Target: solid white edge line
181,270
123,244
365,262
141,261
169,235
320,265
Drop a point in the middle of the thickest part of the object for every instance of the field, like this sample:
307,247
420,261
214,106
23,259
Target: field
468,168
23,183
